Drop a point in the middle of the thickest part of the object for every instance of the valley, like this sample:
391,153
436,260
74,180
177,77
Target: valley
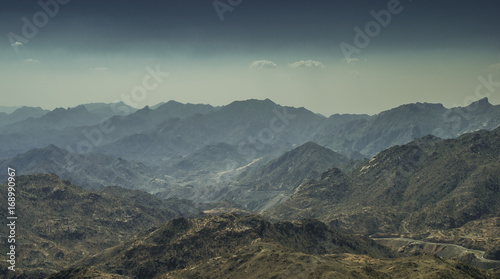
233,139
171,194
406,245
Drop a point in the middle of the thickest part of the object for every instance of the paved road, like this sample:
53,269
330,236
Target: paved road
478,253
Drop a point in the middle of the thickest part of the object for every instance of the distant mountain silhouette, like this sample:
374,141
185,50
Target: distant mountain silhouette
91,171
401,125
104,110
58,119
21,114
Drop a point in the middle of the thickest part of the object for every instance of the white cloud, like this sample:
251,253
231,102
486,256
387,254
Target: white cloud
307,64
263,64
351,60
17,44
29,60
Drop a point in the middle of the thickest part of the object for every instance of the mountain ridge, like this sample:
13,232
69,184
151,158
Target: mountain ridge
415,189
169,245
91,171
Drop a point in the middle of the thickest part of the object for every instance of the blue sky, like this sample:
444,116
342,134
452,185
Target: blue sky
288,51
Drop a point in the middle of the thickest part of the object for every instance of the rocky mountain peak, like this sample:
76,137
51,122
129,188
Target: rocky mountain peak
482,103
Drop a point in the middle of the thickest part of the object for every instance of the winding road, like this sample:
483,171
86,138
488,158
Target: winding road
390,241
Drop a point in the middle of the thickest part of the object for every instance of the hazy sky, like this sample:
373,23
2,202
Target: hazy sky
86,51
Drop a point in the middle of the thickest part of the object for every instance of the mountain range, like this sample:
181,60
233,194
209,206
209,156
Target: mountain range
256,127
60,223
264,187
20,114
93,235
83,128
425,186
91,171
401,125
323,187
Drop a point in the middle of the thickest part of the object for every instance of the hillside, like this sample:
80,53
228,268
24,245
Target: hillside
83,224
423,187
232,246
263,260
90,171
59,223
216,157
368,136
256,127
270,184
294,167
246,124
69,127
181,243
215,173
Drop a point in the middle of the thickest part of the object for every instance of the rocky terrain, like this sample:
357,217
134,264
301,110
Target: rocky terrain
182,243
60,223
429,188
400,125
232,246
482,234
173,191
267,261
